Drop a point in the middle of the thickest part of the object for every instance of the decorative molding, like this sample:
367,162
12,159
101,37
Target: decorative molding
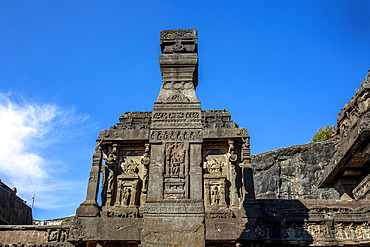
176,135
362,190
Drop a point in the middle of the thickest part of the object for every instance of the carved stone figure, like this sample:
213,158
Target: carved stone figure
215,195
175,159
145,161
110,159
232,156
129,166
107,185
110,178
213,166
125,197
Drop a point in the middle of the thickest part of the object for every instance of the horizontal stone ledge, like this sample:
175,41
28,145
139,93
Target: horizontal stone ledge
31,227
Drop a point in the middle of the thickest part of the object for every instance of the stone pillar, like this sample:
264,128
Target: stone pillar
133,193
195,172
345,186
222,192
156,169
207,198
247,171
174,211
90,206
232,158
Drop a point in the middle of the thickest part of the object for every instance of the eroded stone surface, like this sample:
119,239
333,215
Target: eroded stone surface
293,172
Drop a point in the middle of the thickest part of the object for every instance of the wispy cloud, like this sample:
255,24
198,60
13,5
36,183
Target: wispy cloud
26,130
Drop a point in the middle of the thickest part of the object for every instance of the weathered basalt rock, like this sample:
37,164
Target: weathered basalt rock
293,172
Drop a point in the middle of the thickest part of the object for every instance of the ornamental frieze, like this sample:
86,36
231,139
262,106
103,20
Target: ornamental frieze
179,135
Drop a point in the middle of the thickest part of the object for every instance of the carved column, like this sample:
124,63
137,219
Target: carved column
195,172
232,159
156,170
207,198
133,194
90,206
175,172
247,170
223,192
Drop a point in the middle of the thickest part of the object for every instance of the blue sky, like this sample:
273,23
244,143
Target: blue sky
68,69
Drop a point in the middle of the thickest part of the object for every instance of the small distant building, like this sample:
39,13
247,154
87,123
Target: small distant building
13,210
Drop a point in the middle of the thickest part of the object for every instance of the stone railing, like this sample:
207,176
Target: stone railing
362,190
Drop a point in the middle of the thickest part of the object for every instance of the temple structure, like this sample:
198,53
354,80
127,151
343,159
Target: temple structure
349,169
168,170
182,176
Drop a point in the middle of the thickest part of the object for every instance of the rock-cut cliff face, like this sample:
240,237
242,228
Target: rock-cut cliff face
293,172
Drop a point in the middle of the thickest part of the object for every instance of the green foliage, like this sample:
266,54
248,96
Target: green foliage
324,134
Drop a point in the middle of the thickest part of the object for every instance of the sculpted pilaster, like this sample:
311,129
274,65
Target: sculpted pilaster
215,182
110,160
175,172
128,181
90,206
232,159
248,184
145,174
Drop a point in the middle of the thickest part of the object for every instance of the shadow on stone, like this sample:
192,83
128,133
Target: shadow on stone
275,223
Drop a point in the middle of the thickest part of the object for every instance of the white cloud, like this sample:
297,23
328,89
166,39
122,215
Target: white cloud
26,129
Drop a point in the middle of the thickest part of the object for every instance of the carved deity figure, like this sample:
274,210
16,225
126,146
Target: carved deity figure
129,166
125,197
110,179
232,156
108,174
145,161
339,232
110,159
215,195
175,159
213,166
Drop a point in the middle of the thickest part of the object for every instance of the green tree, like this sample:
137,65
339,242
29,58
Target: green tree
324,134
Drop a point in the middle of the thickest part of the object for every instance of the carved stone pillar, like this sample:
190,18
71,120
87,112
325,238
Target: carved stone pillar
90,206
156,169
195,172
175,173
232,159
247,171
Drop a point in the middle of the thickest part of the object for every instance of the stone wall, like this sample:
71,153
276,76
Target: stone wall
13,210
62,222
31,235
293,172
